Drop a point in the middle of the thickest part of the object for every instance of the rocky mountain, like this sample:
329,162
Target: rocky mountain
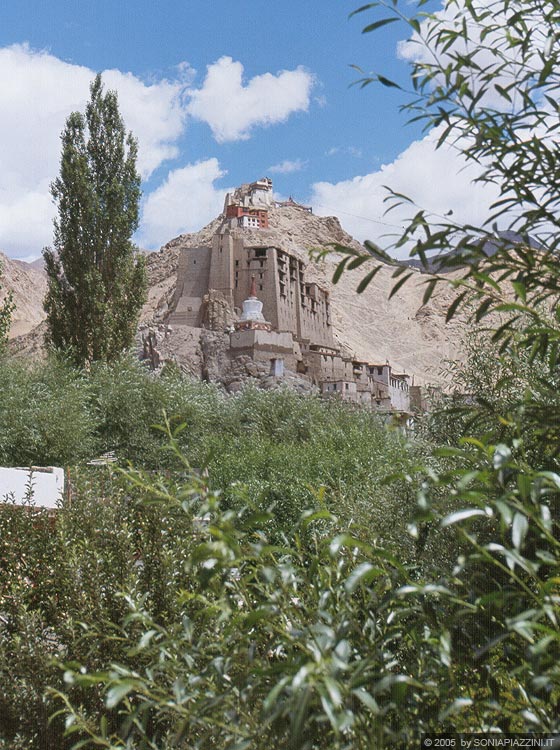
456,258
28,285
412,336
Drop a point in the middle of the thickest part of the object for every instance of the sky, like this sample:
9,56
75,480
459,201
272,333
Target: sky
219,93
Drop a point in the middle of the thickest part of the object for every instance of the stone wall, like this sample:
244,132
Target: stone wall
263,346
289,303
193,276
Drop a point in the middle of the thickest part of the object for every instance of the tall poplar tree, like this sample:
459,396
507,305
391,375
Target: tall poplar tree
96,280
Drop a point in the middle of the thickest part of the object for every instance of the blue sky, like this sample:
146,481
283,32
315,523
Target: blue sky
218,93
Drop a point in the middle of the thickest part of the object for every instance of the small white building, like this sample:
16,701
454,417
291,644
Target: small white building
41,487
399,392
395,386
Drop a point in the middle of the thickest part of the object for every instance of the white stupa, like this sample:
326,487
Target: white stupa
252,317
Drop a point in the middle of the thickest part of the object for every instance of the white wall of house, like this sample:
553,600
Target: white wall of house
47,484
399,393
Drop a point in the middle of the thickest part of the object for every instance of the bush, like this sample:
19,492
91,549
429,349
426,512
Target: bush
67,588
329,641
45,415
61,584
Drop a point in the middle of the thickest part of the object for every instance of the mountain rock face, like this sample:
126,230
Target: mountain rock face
28,285
370,326
413,337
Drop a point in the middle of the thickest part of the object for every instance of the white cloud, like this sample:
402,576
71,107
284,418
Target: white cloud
487,42
39,91
26,223
37,94
287,166
233,108
154,113
437,180
185,202
350,150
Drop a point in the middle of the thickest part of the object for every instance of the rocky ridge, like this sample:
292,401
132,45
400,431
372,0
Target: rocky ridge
370,326
413,337
28,286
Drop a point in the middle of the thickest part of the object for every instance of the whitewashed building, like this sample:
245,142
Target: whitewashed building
41,487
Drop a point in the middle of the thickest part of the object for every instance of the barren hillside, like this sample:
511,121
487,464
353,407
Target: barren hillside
411,336
28,285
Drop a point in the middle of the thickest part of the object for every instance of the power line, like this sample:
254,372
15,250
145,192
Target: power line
357,216
385,223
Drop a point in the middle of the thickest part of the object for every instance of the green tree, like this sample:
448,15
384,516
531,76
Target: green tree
485,76
6,309
96,281
327,641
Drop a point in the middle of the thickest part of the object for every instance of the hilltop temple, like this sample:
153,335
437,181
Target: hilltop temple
260,294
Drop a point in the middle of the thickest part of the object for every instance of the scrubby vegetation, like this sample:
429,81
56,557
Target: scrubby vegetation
283,571
261,459
276,568
276,448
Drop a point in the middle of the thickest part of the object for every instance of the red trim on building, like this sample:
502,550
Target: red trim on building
234,211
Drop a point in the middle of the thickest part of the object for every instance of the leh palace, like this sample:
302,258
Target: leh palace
255,303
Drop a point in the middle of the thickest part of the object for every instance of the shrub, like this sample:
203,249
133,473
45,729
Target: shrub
45,414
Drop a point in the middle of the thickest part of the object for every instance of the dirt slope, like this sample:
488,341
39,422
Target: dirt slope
28,286
413,337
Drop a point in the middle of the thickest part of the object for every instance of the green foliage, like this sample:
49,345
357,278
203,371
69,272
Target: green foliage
45,415
105,544
59,595
97,283
276,448
193,611
500,399
53,413
246,622
270,646
328,641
